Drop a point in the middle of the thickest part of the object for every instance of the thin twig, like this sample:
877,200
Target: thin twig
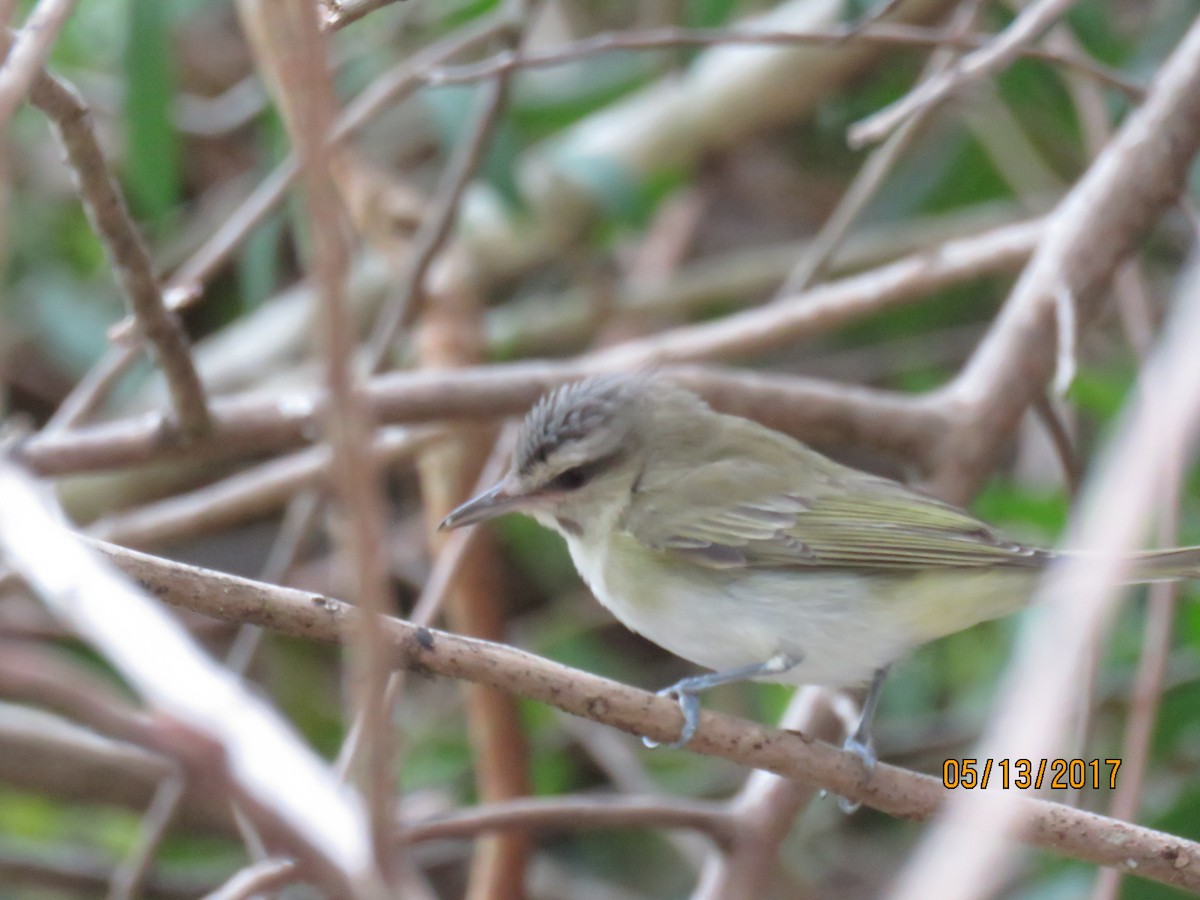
252,881
671,37
127,880
88,395
1060,438
28,51
337,14
130,260
387,90
879,164
405,306
1033,21
577,813
252,493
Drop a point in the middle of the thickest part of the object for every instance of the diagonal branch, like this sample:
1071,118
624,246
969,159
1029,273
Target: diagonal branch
1033,21
130,260
898,792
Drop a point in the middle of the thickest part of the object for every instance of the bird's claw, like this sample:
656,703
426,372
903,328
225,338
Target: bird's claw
689,705
864,749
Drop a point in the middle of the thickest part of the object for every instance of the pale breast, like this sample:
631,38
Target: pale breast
835,623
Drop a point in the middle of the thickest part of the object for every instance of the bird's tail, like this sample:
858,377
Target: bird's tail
1180,564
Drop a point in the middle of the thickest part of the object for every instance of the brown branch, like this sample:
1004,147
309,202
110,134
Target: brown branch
252,881
28,51
289,47
405,306
255,425
827,306
73,871
130,260
764,809
41,753
672,37
1052,826
387,90
46,680
819,411
1005,49
576,813
557,322
874,171
253,493
452,553
1136,178
451,335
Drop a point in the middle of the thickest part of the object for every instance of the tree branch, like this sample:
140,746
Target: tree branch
1052,826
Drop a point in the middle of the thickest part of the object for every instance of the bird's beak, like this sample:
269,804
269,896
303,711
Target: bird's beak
495,501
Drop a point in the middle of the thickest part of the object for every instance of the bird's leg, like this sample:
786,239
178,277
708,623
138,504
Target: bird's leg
860,742
688,691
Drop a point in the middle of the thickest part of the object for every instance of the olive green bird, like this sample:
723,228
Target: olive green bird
740,549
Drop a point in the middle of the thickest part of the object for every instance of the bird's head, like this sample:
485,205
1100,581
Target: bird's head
581,450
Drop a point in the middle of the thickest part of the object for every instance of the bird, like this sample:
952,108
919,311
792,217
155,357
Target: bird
746,552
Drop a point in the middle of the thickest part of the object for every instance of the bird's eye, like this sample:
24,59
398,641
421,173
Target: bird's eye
571,479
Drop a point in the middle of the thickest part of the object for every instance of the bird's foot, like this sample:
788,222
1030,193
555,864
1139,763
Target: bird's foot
689,704
864,748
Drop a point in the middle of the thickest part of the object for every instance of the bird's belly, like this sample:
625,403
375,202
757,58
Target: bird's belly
837,624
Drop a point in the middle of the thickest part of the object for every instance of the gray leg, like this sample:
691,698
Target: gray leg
860,742
688,691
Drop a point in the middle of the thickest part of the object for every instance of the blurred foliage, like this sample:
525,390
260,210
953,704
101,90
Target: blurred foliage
134,59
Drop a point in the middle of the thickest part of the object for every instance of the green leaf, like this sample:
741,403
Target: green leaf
152,151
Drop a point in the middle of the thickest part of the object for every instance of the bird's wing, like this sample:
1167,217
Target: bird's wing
837,518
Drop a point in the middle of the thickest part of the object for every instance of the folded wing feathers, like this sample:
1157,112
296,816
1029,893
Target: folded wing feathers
869,524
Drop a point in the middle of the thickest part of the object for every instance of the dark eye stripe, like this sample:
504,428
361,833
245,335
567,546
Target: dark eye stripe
574,478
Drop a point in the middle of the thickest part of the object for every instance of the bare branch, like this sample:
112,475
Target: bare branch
1071,832
126,251
818,411
1033,21
216,723
290,48
875,170
887,35
1136,178
28,51
576,813
968,848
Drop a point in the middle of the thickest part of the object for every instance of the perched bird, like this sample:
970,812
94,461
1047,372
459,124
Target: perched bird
740,549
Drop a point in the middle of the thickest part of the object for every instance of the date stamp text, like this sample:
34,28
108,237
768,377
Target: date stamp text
1023,774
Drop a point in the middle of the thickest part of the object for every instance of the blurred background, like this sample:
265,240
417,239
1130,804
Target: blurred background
622,192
